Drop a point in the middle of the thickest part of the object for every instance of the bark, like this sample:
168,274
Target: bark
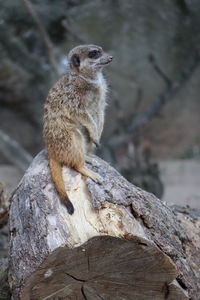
121,242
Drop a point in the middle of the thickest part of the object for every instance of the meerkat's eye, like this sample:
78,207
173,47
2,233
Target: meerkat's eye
94,54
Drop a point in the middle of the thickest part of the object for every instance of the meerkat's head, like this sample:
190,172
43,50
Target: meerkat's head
88,60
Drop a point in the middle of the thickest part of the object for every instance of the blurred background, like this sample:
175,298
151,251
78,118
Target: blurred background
152,130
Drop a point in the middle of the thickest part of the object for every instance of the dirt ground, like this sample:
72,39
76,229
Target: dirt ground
181,180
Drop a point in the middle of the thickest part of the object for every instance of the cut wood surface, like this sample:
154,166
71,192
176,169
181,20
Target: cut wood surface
120,243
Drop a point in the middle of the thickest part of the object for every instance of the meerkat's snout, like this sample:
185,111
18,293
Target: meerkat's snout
105,59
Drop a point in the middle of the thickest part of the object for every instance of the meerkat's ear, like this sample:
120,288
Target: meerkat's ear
75,60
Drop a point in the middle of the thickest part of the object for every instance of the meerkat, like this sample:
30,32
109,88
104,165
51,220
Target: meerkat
74,115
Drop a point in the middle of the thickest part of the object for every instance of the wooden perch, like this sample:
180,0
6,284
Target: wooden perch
121,242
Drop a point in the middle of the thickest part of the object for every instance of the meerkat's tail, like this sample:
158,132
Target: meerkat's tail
56,174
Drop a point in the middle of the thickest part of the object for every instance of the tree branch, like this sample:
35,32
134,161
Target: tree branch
159,71
20,54
14,152
153,110
67,23
47,42
170,92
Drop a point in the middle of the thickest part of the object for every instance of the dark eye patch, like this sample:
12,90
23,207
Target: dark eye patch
94,54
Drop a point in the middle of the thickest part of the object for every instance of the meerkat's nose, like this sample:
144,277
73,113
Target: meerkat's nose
110,57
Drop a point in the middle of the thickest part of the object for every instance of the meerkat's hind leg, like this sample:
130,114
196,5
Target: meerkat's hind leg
91,174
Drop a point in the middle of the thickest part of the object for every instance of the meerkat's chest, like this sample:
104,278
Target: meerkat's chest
96,96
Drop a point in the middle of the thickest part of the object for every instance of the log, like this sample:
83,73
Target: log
120,243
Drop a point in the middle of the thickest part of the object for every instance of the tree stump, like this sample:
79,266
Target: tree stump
120,243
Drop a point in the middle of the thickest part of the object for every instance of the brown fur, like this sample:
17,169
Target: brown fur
74,117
